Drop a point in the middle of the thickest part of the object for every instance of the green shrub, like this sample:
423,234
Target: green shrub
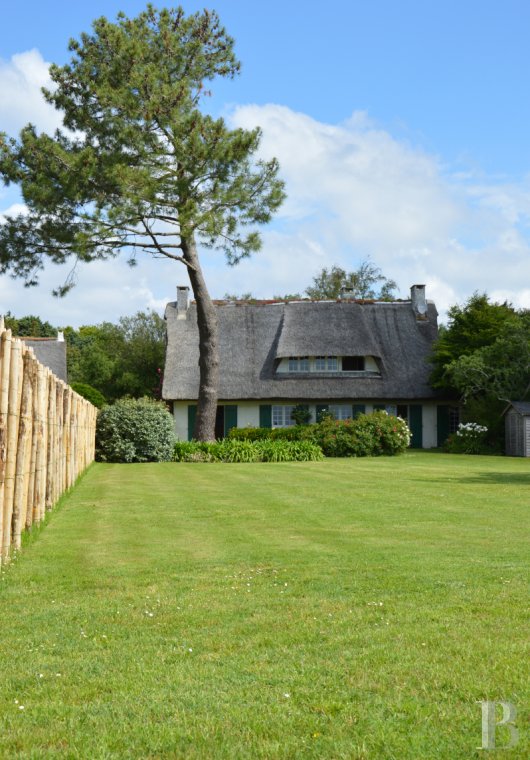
293,433
134,430
91,394
247,451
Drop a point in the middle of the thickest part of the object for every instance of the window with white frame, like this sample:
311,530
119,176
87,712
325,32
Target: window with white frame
326,363
299,364
341,411
281,416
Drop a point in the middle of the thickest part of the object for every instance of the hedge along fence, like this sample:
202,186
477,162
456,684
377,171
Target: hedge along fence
47,435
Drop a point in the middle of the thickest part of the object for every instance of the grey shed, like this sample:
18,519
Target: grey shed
517,422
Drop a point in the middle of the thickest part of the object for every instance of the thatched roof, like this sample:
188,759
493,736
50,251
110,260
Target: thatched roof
254,336
50,352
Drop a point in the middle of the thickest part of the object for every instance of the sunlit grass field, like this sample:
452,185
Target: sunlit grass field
342,609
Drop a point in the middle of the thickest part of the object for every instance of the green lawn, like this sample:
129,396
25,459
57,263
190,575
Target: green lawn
343,609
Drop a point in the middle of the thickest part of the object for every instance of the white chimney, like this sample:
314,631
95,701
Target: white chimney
182,301
347,294
60,336
419,303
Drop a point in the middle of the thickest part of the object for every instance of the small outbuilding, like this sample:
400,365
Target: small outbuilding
517,423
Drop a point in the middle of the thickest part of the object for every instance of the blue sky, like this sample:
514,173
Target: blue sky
402,130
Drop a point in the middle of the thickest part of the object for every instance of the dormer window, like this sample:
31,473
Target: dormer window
353,363
329,365
326,363
299,364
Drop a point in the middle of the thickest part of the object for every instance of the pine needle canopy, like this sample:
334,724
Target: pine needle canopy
137,165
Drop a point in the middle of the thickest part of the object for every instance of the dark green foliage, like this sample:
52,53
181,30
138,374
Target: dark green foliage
301,414
135,430
91,394
293,433
367,435
30,326
483,357
365,282
473,326
233,450
122,359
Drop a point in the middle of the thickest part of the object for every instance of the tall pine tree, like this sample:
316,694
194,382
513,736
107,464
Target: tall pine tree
139,166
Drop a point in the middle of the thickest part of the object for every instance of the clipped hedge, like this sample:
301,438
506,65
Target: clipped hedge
373,434
247,451
91,394
134,430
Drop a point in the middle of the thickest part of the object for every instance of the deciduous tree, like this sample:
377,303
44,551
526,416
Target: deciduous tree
365,282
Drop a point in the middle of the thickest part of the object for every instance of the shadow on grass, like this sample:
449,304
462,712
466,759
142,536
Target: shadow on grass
485,478
499,478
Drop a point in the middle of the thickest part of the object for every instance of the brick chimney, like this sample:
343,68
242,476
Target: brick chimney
419,304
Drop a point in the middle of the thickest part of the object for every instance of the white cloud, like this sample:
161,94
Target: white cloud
106,290
355,191
21,98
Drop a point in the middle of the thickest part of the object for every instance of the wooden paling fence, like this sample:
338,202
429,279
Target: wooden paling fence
47,439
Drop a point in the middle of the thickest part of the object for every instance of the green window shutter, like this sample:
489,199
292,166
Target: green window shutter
230,417
379,407
416,425
192,414
442,424
265,415
358,409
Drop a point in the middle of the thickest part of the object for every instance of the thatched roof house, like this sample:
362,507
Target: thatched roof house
51,352
347,356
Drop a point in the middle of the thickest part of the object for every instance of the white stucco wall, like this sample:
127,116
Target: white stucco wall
248,416
180,418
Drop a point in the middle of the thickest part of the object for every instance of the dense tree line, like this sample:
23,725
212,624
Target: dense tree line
123,359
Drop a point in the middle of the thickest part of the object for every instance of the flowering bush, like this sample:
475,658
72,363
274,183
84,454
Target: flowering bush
373,434
367,435
469,439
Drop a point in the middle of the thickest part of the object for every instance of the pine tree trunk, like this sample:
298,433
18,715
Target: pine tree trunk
208,344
